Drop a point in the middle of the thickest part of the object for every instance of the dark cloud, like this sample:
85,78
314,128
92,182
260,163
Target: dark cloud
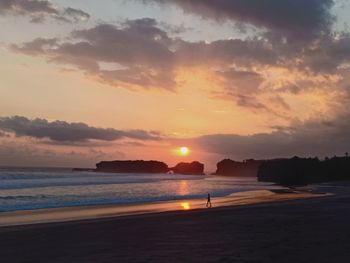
139,53
280,102
242,80
249,102
228,52
37,47
312,138
76,14
296,18
142,54
327,54
39,10
16,153
24,7
61,131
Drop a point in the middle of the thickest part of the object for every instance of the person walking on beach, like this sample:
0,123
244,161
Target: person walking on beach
208,201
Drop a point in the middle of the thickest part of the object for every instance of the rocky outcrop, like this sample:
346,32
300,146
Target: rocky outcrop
302,171
132,167
194,168
229,167
294,171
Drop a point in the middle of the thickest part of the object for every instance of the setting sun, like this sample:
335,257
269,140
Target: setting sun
154,120
184,151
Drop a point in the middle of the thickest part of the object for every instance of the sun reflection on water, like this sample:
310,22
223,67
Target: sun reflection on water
183,188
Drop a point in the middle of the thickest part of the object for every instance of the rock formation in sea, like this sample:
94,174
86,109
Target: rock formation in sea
138,166
229,167
302,171
194,168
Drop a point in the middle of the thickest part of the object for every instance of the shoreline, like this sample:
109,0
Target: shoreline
82,213
286,231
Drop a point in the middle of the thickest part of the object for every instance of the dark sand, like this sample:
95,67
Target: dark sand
310,230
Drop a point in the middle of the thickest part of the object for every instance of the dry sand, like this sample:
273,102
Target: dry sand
307,230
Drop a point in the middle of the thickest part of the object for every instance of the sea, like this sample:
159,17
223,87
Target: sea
38,188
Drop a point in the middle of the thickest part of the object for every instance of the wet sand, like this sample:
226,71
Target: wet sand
107,211
303,230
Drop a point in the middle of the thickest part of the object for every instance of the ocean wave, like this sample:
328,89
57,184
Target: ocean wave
23,197
23,190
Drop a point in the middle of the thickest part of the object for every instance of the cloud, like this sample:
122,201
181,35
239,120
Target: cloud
24,154
39,10
76,14
138,50
228,52
36,47
143,54
3,134
246,80
322,138
63,132
19,7
256,72
328,54
296,18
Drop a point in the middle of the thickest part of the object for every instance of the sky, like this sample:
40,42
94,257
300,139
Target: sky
84,81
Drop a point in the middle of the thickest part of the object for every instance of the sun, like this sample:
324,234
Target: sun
184,151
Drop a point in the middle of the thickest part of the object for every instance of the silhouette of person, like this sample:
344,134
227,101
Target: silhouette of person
208,201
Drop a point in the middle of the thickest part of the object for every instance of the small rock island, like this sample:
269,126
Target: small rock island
141,166
138,166
229,167
194,168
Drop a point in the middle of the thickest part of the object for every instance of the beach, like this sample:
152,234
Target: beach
175,131
294,230
37,216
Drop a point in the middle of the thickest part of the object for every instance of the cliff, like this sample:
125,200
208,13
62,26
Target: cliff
132,167
229,167
303,171
194,168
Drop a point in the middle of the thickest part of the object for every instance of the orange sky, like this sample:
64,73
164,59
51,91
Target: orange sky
209,80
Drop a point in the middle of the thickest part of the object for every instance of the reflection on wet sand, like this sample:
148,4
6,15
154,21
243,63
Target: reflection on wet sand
186,205
94,212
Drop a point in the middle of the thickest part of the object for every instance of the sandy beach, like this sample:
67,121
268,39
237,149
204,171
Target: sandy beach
55,215
169,131
293,230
